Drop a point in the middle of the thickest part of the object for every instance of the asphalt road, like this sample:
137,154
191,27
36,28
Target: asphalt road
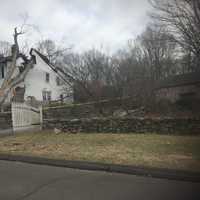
21,181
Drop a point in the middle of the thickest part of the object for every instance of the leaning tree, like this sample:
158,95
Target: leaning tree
10,82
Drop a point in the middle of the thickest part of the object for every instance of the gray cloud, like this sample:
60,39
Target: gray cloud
83,23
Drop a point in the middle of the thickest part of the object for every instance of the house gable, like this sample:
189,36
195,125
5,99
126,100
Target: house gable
42,79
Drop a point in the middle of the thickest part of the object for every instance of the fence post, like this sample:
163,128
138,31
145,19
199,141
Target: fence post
41,117
13,118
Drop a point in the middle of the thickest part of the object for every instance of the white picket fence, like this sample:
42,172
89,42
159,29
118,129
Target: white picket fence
25,116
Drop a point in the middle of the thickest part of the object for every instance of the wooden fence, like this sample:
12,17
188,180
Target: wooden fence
25,116
5,123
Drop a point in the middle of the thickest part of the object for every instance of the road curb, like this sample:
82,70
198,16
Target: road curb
178,175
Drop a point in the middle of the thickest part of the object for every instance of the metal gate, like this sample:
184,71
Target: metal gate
25,117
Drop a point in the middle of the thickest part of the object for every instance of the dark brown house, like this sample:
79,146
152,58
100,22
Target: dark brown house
179,87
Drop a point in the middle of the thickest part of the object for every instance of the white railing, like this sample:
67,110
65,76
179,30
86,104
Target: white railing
25,116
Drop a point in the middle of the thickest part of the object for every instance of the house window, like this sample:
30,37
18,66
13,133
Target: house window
46,95
47,77
58,80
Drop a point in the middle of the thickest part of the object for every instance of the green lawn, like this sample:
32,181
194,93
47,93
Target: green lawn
175,152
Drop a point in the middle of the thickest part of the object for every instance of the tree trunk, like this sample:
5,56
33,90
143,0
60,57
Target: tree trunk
8,83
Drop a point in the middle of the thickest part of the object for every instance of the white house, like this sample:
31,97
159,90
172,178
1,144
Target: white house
42,81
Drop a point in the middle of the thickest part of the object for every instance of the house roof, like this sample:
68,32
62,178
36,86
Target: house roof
5,59
44,58
179,80
9,58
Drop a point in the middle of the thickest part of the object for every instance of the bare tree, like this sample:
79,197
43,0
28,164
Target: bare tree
159,51
89,75
51,50
91,71
130,76
183,19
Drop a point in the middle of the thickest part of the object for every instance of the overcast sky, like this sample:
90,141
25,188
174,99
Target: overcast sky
82,23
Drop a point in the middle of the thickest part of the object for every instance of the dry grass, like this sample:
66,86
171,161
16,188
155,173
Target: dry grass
176,152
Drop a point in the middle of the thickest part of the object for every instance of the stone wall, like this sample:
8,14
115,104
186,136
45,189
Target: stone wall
5,122
86,110
125,125
69,112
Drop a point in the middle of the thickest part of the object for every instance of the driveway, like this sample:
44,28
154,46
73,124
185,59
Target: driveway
22,181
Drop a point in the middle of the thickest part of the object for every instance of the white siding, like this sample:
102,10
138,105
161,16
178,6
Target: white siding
1,81
35,81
